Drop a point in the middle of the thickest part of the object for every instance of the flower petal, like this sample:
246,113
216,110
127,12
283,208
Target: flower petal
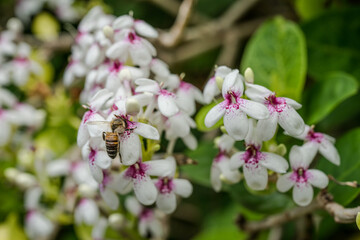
117,49
130,148
256,176
133,206
266,128
215,114
58,167
328,150
183,187
215,177
210,90
145,29
110,198
120,183
166,202
5,132
236,123
232,82
303,194
161,168
291,121
317,178
190,141
299,158
292,103
147,131
256,92
167,104
254,109
145,190
237,160
102,159
140,55
274,162
284,183
96,172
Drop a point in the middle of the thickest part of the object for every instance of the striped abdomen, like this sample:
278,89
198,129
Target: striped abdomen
111,143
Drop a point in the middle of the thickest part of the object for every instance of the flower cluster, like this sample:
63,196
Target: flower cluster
63,9
255,119
132,100
16,67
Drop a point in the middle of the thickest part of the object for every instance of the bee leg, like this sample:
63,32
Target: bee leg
103,135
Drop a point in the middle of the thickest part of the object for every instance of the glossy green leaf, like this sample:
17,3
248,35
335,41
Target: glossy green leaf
329,93
221,225
333,42
348,147
277,55
200,118
308,9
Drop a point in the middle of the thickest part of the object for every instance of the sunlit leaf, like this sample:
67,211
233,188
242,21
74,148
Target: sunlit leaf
277,55
45,26
329,93
335,48
348,147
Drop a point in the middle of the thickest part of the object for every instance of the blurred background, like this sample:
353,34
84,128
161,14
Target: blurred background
313,44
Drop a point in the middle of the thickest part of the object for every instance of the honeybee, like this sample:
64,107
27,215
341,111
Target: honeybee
118,126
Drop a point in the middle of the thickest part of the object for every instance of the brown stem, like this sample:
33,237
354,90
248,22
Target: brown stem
323,201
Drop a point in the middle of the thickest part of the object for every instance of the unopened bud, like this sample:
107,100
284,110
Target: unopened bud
116,220
108,31
25,180
219,82
125,74
86,191
14,25
156,147
249,75
11,174
223,129
132,106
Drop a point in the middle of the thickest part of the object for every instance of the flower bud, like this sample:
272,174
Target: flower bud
125,74
116,220
86,191
108,31
249,75
132,106
14,25
11,174
219,82
25,180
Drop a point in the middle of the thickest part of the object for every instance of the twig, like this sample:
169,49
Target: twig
323,201
172,7
208,42
173,37
234,12
353,184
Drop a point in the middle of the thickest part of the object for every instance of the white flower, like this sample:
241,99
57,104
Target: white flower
220,168
282,111
320,142
166,100
37,226
5,128
186,96
234,108
168,187
149,224
255,163
301,178
138,176
86,212
141,27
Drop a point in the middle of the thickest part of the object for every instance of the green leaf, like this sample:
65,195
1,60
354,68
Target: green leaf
348,147
204,155
277,55
200,118
329,93
221,225
11,229
309,8
336,48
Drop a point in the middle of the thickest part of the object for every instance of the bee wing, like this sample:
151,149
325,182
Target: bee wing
96,128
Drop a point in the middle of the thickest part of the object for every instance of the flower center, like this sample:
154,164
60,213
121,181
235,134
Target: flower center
274,103
137,170
252,155
165,185
314,136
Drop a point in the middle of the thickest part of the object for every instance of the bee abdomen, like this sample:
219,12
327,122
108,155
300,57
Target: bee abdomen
112,144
